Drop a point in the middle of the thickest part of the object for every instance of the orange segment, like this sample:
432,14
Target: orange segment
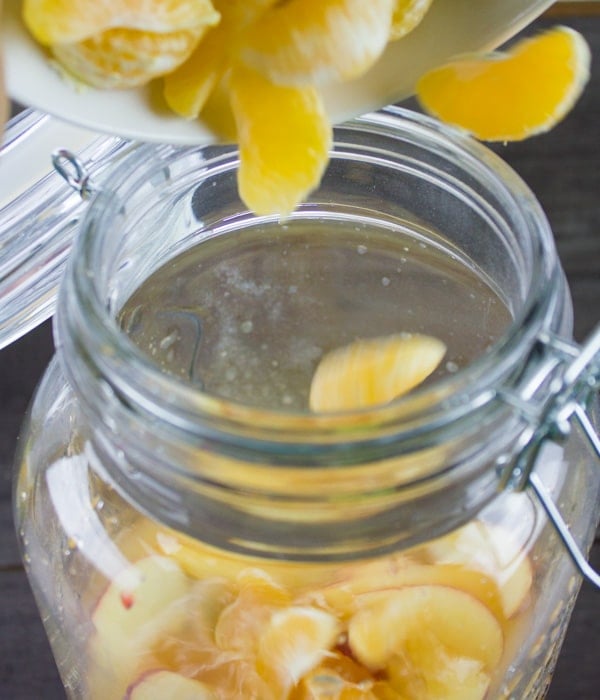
510,96
122,58
373,371
188,88
284,139
407,15
64,21
337,677
294,642
317,41
241,624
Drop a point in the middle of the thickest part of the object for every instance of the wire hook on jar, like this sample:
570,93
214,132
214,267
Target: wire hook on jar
73,171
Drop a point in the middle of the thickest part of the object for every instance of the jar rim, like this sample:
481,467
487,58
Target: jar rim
133,376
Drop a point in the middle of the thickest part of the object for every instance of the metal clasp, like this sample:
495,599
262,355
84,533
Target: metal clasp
571,391
74,172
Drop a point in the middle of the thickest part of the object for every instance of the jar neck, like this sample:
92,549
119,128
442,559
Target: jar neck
299,485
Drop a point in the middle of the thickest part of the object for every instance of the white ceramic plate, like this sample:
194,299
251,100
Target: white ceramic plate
450,27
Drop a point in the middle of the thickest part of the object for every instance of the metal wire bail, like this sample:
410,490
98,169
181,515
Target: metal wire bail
570,401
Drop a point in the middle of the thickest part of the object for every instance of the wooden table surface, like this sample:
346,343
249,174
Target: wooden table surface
563,169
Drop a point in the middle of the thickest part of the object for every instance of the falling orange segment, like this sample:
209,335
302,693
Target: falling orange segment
187,88
65,21
407,15
284,138
302,42
510,96
373,371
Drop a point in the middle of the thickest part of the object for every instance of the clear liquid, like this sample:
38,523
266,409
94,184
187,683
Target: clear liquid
247,315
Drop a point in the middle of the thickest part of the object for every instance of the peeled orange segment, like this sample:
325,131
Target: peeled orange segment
430,630
284,138
303,42
295,641
510,96
373,371
188,88
217,114
65,21
337,677
123,58
407,15
240,624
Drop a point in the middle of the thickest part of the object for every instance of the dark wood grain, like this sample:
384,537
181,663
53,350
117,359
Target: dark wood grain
563,169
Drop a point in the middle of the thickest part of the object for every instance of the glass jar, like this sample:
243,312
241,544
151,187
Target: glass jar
191,529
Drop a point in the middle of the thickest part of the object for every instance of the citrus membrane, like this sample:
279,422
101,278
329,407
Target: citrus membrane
315,42
63,21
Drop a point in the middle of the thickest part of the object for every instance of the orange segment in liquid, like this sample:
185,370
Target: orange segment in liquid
373,371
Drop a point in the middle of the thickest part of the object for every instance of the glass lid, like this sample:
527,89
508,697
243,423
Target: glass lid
39,214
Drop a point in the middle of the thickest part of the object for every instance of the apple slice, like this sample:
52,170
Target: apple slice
387,574
145,602
436,636
160,685
492,550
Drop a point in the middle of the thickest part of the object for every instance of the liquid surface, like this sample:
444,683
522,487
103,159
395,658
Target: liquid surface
247,316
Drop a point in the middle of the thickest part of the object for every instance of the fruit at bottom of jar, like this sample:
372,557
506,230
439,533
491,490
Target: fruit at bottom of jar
166,685
143,604
293,642
425,625
430,641
344,594
492,550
